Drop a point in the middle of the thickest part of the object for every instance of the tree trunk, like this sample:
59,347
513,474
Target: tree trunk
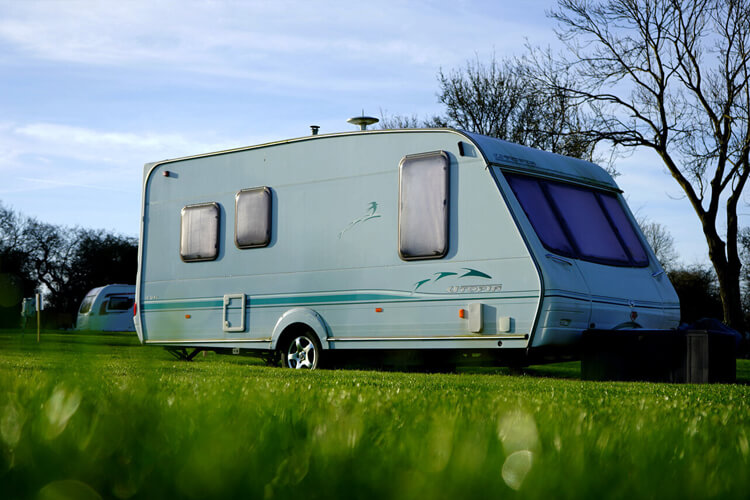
728,275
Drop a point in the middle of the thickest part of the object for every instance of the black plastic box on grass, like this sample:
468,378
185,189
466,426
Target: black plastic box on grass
677,356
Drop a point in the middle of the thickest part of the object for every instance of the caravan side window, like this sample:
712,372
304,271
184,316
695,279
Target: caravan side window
423,206
252,220
199,232
120,303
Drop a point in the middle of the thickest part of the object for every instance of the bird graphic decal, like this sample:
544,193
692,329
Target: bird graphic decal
443,275
475,274
420,283
371,213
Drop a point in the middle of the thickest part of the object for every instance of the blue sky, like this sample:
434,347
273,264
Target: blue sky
92,90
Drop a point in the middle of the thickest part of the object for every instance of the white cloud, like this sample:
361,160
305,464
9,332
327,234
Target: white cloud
47,157
276,42
122,148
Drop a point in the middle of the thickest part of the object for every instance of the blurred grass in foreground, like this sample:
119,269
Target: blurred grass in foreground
90,416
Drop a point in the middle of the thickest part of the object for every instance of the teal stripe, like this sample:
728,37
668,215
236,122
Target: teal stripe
193,304
310,299
327,299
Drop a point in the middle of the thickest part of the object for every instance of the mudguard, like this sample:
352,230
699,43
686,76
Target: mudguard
302,315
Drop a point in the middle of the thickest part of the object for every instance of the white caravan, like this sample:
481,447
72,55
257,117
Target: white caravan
425,239
107,308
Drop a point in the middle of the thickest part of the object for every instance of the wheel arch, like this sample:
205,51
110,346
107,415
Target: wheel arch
300,317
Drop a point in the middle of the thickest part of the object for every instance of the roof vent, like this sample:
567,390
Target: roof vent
363,121
314,129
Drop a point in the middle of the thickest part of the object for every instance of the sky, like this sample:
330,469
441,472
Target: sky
90,91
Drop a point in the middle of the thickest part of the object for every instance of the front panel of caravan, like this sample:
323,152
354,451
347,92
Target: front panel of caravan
334,250
566,207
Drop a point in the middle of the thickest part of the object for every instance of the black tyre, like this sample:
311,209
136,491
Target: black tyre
301,351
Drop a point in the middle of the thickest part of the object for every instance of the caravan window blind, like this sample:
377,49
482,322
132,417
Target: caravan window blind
199,232
252,222
423,206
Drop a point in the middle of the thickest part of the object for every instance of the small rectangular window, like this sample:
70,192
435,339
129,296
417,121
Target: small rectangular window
252,222
199,232
423,206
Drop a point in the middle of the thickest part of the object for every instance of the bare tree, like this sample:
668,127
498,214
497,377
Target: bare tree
399,121
14,282
671,76
661,242
11,228
482,98
499,99
50,250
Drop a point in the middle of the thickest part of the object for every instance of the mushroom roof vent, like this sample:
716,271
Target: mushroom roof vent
363,121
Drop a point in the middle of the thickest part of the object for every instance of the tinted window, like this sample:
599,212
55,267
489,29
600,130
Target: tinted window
423,206
88,301
541,215
588,226
120,303
199,232
579,222
252,224
625,228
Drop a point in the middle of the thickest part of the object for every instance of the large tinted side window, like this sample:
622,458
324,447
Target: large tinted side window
579,222
199,232
587,224
625,228
541,214
252,223
423,206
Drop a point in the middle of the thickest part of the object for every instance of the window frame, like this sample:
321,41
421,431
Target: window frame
186,208
446,205
267,190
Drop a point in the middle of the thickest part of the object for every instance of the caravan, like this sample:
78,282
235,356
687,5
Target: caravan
424,239
107,309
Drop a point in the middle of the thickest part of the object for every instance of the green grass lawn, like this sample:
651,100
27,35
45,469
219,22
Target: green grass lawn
89,416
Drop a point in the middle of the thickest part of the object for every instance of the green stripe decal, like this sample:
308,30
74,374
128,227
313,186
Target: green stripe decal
356,297
191,304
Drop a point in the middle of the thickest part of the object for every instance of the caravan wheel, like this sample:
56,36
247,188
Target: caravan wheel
302,352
